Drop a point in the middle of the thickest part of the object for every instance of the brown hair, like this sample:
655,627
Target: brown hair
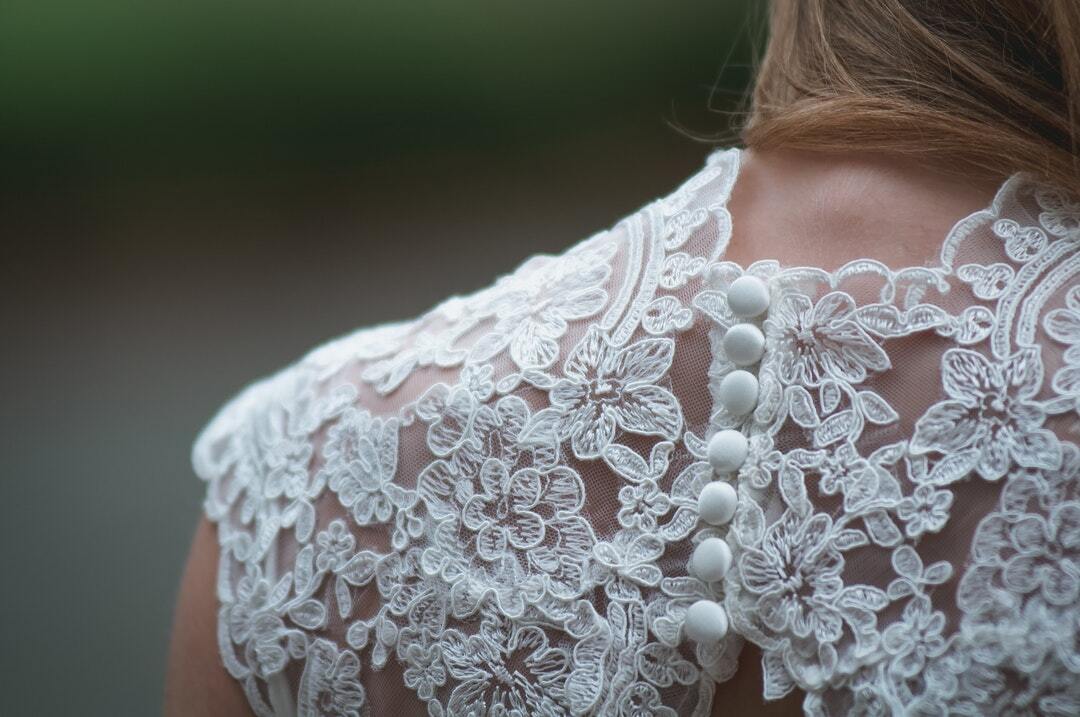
990,84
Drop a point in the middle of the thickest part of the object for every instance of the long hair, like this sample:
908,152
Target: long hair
985,84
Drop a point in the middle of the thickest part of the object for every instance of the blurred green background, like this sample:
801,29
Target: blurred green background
192,195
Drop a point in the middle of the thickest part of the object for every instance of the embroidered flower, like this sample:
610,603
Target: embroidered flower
505,669
1060,213
533,306
517,535
627,563
642,700
916,637
818,341
465,433
926,510
425,669
286,463
606,388
479,380
361,455
1064,326
1048,555
502,513
843,470
991,413
336,545
796,574
642,504
330,685
762,462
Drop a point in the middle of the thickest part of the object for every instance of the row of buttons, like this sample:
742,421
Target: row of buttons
744,345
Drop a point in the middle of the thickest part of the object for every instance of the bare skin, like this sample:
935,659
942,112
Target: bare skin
196,682
833,209
823,210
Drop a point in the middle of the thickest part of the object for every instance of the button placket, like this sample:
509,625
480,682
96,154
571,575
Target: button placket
744,345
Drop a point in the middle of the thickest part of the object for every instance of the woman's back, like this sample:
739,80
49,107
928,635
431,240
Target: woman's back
495,509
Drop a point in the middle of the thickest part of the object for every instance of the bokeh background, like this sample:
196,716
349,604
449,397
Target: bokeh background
193,194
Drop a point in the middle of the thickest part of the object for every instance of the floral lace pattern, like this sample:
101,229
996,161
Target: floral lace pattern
489,510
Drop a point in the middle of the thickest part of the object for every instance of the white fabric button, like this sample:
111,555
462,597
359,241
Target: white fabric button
744,344
706,622
727,450
748,296
711,559
739,392
717,502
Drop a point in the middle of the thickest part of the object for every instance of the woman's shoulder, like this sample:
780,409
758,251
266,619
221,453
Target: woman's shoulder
522,469
370,474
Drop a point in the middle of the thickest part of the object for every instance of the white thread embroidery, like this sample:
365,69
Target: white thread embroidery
490,509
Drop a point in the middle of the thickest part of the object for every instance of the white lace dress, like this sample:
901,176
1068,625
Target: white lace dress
521,503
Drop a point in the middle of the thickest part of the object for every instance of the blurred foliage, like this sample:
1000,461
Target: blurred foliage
132,84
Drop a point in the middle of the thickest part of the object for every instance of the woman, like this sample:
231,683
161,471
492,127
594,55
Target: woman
802,434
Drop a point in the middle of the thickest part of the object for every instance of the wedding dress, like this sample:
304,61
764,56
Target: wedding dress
580,490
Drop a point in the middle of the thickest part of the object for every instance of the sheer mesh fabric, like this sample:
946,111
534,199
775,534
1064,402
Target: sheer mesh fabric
490,509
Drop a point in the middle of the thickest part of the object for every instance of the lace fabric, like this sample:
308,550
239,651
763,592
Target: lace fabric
490,509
